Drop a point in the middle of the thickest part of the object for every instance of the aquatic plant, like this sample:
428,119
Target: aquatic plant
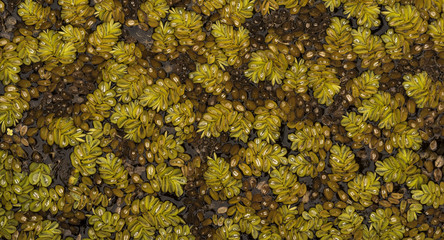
310,138
112,171
396,45
187,26
267,65
363,187
422,89
366,12
323,81
285,186
267,121
339,39
219,178
343,164
406,20
62,132
264,156
296,77
398,168
104,38
152,11
107,10
370,48
12,107
164,39
33,13
163,94
307,164
210,77
75,12
9,64
237,11
8,223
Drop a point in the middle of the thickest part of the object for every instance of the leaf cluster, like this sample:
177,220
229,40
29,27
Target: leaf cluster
310,138
399,168
363,188
33,13
135,121
210,77
84,156
75,12
267,65
370,48
187,26
343,164
267,121
339,39
112,171
263,156
12,106
366,12
422,89
237,11
163,94
324,82
219,178
285,185
233,42
10,63
307,163
101,102
152,11
406,20
62,132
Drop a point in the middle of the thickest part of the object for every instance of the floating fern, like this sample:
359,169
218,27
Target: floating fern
354,124
9,64
33,13
152,11
187,26
126,53
84,156
367,12
343,164
264,156
422,89
369,48
112,171
436,31
12,107
242,126
406,20
218,177
296,77
323,81
236,11
217,119
396,45
267,65
430,194
310,138
306,164
397,169
286,186
365,86
339,38
164,39
232,42
210,77
75,12
267,121
105,37
163,94
363,187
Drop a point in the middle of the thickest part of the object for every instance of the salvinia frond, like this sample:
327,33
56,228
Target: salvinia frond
339,39
164,39
365,85
267,121
210,77
367,12
27,50
131,85
406,20
306,164
85,155
310,138
126,53
369,48
263,156
436,31
236,11
232,42
163,94
342,161
112,171
296,77
398,168
422,89
267,65
396,45
187,26
170,179
9,64
217,119
152,11
285,186
219,178
33,13
105,37
363,187
323,81
75,12
242,126
430,194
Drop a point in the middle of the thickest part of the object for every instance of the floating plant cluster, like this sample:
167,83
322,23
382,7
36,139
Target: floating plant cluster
221,119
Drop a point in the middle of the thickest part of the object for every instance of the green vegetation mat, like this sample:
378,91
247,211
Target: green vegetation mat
221,119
